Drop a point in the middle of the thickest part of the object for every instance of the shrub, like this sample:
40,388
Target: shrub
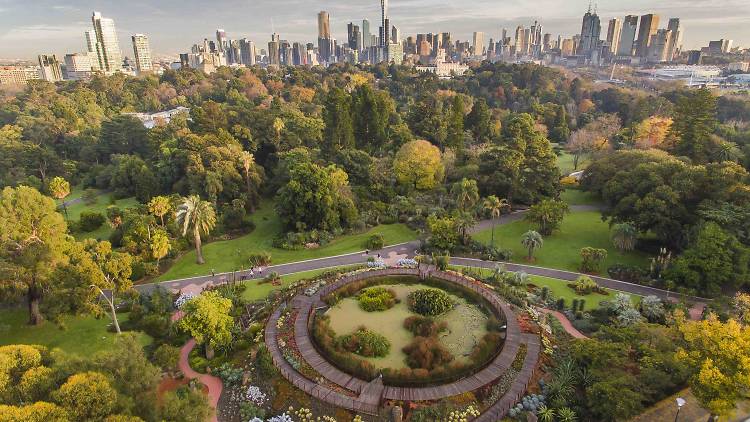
592,258
426,353
628,273
365,343
430,302
166,357
89,196
560,303
424,326
376,241
91,220
264,362
261,259
376,299
584,285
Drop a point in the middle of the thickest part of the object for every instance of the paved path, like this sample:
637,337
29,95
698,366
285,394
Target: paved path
213,383
564,321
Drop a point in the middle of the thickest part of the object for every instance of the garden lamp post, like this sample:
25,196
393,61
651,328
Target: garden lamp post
680,402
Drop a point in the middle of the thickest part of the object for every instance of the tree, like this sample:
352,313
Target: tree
207,320
653,308
36,412
116,267
478,121
196,215
160,206
337,115
456,124
495,207
464,221
32,241
547,215
371,112
466,194
593,137
418,164
60,189
253,177
443,232
741,307
592,258
624,236
87,396
694,121
720,354
159,246
531,240
651,132
184,405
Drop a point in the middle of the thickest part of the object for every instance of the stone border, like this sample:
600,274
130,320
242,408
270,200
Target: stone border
366,396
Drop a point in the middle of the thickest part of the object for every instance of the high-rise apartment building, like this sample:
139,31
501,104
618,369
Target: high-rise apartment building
142,53
627,36
614,30
719,46
648,26
675,47
18,75
78,66
659,46
395,35
247,52
354,38
366,34
221,40
274,58
478,43
49,68
324,25
590,34
106,46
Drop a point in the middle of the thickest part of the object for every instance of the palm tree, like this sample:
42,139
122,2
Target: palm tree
727,151
624,236
495,207
465,193
248,161
464,221
278,126
532,240
159,206
60,188
196,215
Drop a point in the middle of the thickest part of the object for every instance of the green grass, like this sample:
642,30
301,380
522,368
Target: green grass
102,202
579,197
82,335
256,291
232,254
565,163
562,249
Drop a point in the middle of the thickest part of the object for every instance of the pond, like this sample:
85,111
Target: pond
467,324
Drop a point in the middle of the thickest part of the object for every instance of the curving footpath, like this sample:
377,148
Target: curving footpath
564,321
213,383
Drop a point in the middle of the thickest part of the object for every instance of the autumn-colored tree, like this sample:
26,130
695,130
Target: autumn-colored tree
720,354
418,164
651,132
87,396
159,245
593,138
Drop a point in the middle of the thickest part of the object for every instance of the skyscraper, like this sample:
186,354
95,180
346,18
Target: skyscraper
674,48
324,25
627,36
366,35
354,38
648,26
384,31
274,58
49,68
221,40
659,46
590,33
142,53
613,34
478,43
247,52
106,46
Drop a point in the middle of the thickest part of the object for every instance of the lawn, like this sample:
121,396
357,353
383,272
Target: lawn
257,291
83,335
232,254
565,163
579,197
561,250
103,201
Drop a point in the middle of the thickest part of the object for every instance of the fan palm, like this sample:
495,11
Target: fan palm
495,207
624,236
60,189
531,240
197,216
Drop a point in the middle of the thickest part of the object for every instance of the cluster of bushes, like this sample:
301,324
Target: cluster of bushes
262,259
585,285
325,338
364,343
592,258
426,353
299,240
90,221
376,299
424,326
376,241
628,273
430,302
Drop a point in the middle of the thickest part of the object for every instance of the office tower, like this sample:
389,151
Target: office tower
273,50
627,36
614,29
142,53
673,51
547,42
695,57
520,40
478,43
366,35
383,23
324,25
424,48
395,35
567,47
719,46
49,68
353,37
221,40
590,34
106,47
647,28
247,52
659,46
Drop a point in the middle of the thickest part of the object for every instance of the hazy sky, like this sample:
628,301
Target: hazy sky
30,27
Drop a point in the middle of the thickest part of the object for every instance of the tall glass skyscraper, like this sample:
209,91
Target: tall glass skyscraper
105,45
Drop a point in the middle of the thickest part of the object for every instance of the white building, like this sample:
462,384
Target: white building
444,69
78,66
142,53
18,75
103,43
49,68
163,117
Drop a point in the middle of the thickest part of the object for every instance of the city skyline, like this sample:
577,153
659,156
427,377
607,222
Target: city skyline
60,29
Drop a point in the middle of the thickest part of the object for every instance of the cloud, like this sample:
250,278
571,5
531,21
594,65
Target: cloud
32,33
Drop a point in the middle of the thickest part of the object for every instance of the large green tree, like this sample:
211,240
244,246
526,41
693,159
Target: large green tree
547,215
418,164
337,115
198,217
693,122
207,319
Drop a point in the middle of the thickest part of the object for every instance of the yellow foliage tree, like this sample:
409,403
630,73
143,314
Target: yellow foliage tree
418,164
652,131
720,353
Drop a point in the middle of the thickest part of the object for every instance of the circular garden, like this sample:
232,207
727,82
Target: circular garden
413,331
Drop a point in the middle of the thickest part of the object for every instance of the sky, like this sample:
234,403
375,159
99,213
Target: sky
31,27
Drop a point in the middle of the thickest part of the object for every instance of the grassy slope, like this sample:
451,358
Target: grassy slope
232,254
565,163
256,291
82,335
562,249
103,201
579,197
